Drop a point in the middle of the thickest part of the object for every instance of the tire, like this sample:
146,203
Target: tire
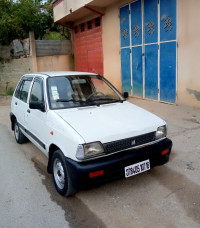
61,177
19,136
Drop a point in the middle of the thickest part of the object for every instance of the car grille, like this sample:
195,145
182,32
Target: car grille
123,144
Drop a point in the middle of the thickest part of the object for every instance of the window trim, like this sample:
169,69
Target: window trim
89,24
82,27
76,30
97,22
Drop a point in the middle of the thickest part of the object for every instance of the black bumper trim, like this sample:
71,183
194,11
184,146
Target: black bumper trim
114,165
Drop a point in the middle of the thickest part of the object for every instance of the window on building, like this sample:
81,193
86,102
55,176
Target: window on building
82,27
89,24
97,22
76,29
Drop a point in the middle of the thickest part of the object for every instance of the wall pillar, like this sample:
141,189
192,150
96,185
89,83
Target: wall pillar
33,51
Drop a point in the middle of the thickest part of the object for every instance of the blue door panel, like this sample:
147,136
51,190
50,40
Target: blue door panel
136,23
167,50
137,71
168,72
150,21
124,26
125,69
151,71
167,20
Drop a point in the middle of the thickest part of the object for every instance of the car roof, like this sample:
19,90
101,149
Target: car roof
58,73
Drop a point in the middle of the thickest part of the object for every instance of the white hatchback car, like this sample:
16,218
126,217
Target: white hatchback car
86,128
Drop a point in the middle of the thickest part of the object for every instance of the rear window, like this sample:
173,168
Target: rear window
23,89
18,89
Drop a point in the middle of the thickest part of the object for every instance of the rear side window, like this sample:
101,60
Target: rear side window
23,91
18,89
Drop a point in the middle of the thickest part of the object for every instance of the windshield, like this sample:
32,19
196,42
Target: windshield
78,91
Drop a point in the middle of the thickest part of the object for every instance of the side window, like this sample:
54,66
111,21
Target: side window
37,91
23,91
18,89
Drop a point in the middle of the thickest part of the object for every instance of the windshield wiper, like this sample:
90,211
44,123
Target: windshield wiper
65,100
109,99
76,101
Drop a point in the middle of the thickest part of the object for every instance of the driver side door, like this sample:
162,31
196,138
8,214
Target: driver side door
37,119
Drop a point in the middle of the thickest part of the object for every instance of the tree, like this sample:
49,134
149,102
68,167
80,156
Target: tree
19,17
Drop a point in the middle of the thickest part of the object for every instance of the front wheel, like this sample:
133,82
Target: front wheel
61,177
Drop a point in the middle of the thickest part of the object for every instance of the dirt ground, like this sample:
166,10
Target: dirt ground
166,196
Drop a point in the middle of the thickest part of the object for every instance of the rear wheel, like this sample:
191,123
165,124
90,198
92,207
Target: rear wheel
61,177
19,136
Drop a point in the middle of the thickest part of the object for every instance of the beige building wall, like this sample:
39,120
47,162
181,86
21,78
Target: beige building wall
188,52
55,63
188,34
111,44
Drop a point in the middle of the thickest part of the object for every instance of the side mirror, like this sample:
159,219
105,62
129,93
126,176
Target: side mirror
37,105
125,95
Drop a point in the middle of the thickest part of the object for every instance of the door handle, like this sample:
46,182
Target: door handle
15,103
28,111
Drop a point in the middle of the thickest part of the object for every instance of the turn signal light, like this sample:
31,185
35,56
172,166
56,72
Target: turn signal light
165,151
96,174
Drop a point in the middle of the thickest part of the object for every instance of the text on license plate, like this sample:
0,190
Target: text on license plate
137,168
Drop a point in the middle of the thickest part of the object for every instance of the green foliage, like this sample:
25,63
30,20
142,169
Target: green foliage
17,18
9,92
53,36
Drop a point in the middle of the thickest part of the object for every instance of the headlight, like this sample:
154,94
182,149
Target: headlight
161,132
89,150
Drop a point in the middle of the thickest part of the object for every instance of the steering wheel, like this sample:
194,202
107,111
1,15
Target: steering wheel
94,94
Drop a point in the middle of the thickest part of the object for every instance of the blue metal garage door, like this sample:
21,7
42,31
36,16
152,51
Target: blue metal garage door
168,50
136,38
151,48
148,49
125,49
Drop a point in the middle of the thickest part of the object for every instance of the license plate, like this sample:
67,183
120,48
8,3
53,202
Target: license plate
137,168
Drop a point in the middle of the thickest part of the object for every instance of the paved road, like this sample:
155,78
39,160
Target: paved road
166,196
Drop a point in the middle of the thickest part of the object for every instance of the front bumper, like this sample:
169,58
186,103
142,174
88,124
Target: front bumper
114,165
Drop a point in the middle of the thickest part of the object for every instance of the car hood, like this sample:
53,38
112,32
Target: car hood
110,122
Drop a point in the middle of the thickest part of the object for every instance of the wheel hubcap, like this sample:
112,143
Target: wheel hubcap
58,173
16,131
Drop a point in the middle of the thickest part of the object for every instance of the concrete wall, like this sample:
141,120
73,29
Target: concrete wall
55,63
4,52
12,70
188,32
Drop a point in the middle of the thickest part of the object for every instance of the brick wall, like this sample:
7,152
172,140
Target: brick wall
88,47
